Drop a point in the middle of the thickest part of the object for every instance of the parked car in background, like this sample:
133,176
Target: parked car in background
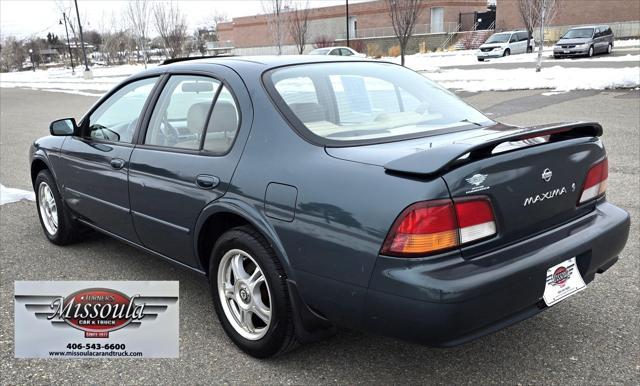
337,51
505,44
342,192
587,41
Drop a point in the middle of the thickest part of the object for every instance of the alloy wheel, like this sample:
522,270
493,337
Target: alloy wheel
244,294
48,208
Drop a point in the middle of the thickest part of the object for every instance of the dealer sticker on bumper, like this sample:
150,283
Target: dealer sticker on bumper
103,319
563,280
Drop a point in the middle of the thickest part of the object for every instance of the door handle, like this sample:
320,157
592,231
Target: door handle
117,163
205,181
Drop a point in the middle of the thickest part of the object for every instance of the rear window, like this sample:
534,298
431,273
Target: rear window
368,102
319,51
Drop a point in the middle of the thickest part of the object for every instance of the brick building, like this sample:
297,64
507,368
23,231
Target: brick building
366,20
573,12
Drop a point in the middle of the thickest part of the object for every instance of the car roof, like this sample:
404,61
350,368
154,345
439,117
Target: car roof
267,61
589,26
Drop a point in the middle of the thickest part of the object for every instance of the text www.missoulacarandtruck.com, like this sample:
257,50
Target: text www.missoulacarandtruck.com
124,354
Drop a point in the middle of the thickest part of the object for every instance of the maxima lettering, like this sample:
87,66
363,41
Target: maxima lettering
545,196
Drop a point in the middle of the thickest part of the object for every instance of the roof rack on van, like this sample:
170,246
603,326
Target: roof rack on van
176,60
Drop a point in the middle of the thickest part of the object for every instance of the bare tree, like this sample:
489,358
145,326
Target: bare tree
138,13
403,14
298,26
275,12
172,28
546,11
12,55
323,41
529,15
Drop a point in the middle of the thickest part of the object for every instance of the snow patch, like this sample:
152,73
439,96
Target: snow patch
62,80
555,78
9,195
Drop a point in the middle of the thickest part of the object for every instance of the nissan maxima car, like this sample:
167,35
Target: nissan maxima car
316,192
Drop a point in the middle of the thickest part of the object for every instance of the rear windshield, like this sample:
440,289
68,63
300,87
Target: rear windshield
319,51
499,38
367,101
578,33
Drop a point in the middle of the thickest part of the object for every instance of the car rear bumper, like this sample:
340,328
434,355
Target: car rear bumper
448,301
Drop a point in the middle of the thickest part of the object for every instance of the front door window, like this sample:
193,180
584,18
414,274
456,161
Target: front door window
116,118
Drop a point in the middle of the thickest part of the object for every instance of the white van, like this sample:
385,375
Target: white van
505,44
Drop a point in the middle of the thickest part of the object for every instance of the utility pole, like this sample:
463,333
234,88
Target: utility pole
347,23
64,17
84,50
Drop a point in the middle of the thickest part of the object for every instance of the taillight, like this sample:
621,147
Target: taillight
436,226
475,219
596,182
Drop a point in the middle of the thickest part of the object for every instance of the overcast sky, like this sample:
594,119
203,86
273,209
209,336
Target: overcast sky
25,18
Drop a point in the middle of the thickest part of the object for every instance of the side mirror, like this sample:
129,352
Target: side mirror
65,126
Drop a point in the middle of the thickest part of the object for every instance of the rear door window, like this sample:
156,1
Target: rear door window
222,127
180,115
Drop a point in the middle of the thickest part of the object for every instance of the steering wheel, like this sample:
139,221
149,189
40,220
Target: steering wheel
167,132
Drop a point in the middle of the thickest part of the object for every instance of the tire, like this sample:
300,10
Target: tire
529,50
609,48
506,52
56,221
480,59
243,250
557,57
590,53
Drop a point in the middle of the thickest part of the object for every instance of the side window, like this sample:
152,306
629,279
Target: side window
335,52
181,113
514,38
116,118
523,36
345,52
223,124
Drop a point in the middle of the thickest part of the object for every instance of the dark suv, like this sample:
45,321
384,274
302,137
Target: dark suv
319,191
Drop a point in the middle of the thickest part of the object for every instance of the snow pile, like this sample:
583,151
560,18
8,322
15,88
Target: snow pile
62,80
627,43
556,78
9,195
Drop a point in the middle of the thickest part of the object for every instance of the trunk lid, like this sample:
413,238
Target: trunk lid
533,176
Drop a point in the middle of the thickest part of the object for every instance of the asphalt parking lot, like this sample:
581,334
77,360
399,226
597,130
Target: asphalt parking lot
591,338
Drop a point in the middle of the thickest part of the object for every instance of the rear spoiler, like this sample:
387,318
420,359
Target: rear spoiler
436,160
